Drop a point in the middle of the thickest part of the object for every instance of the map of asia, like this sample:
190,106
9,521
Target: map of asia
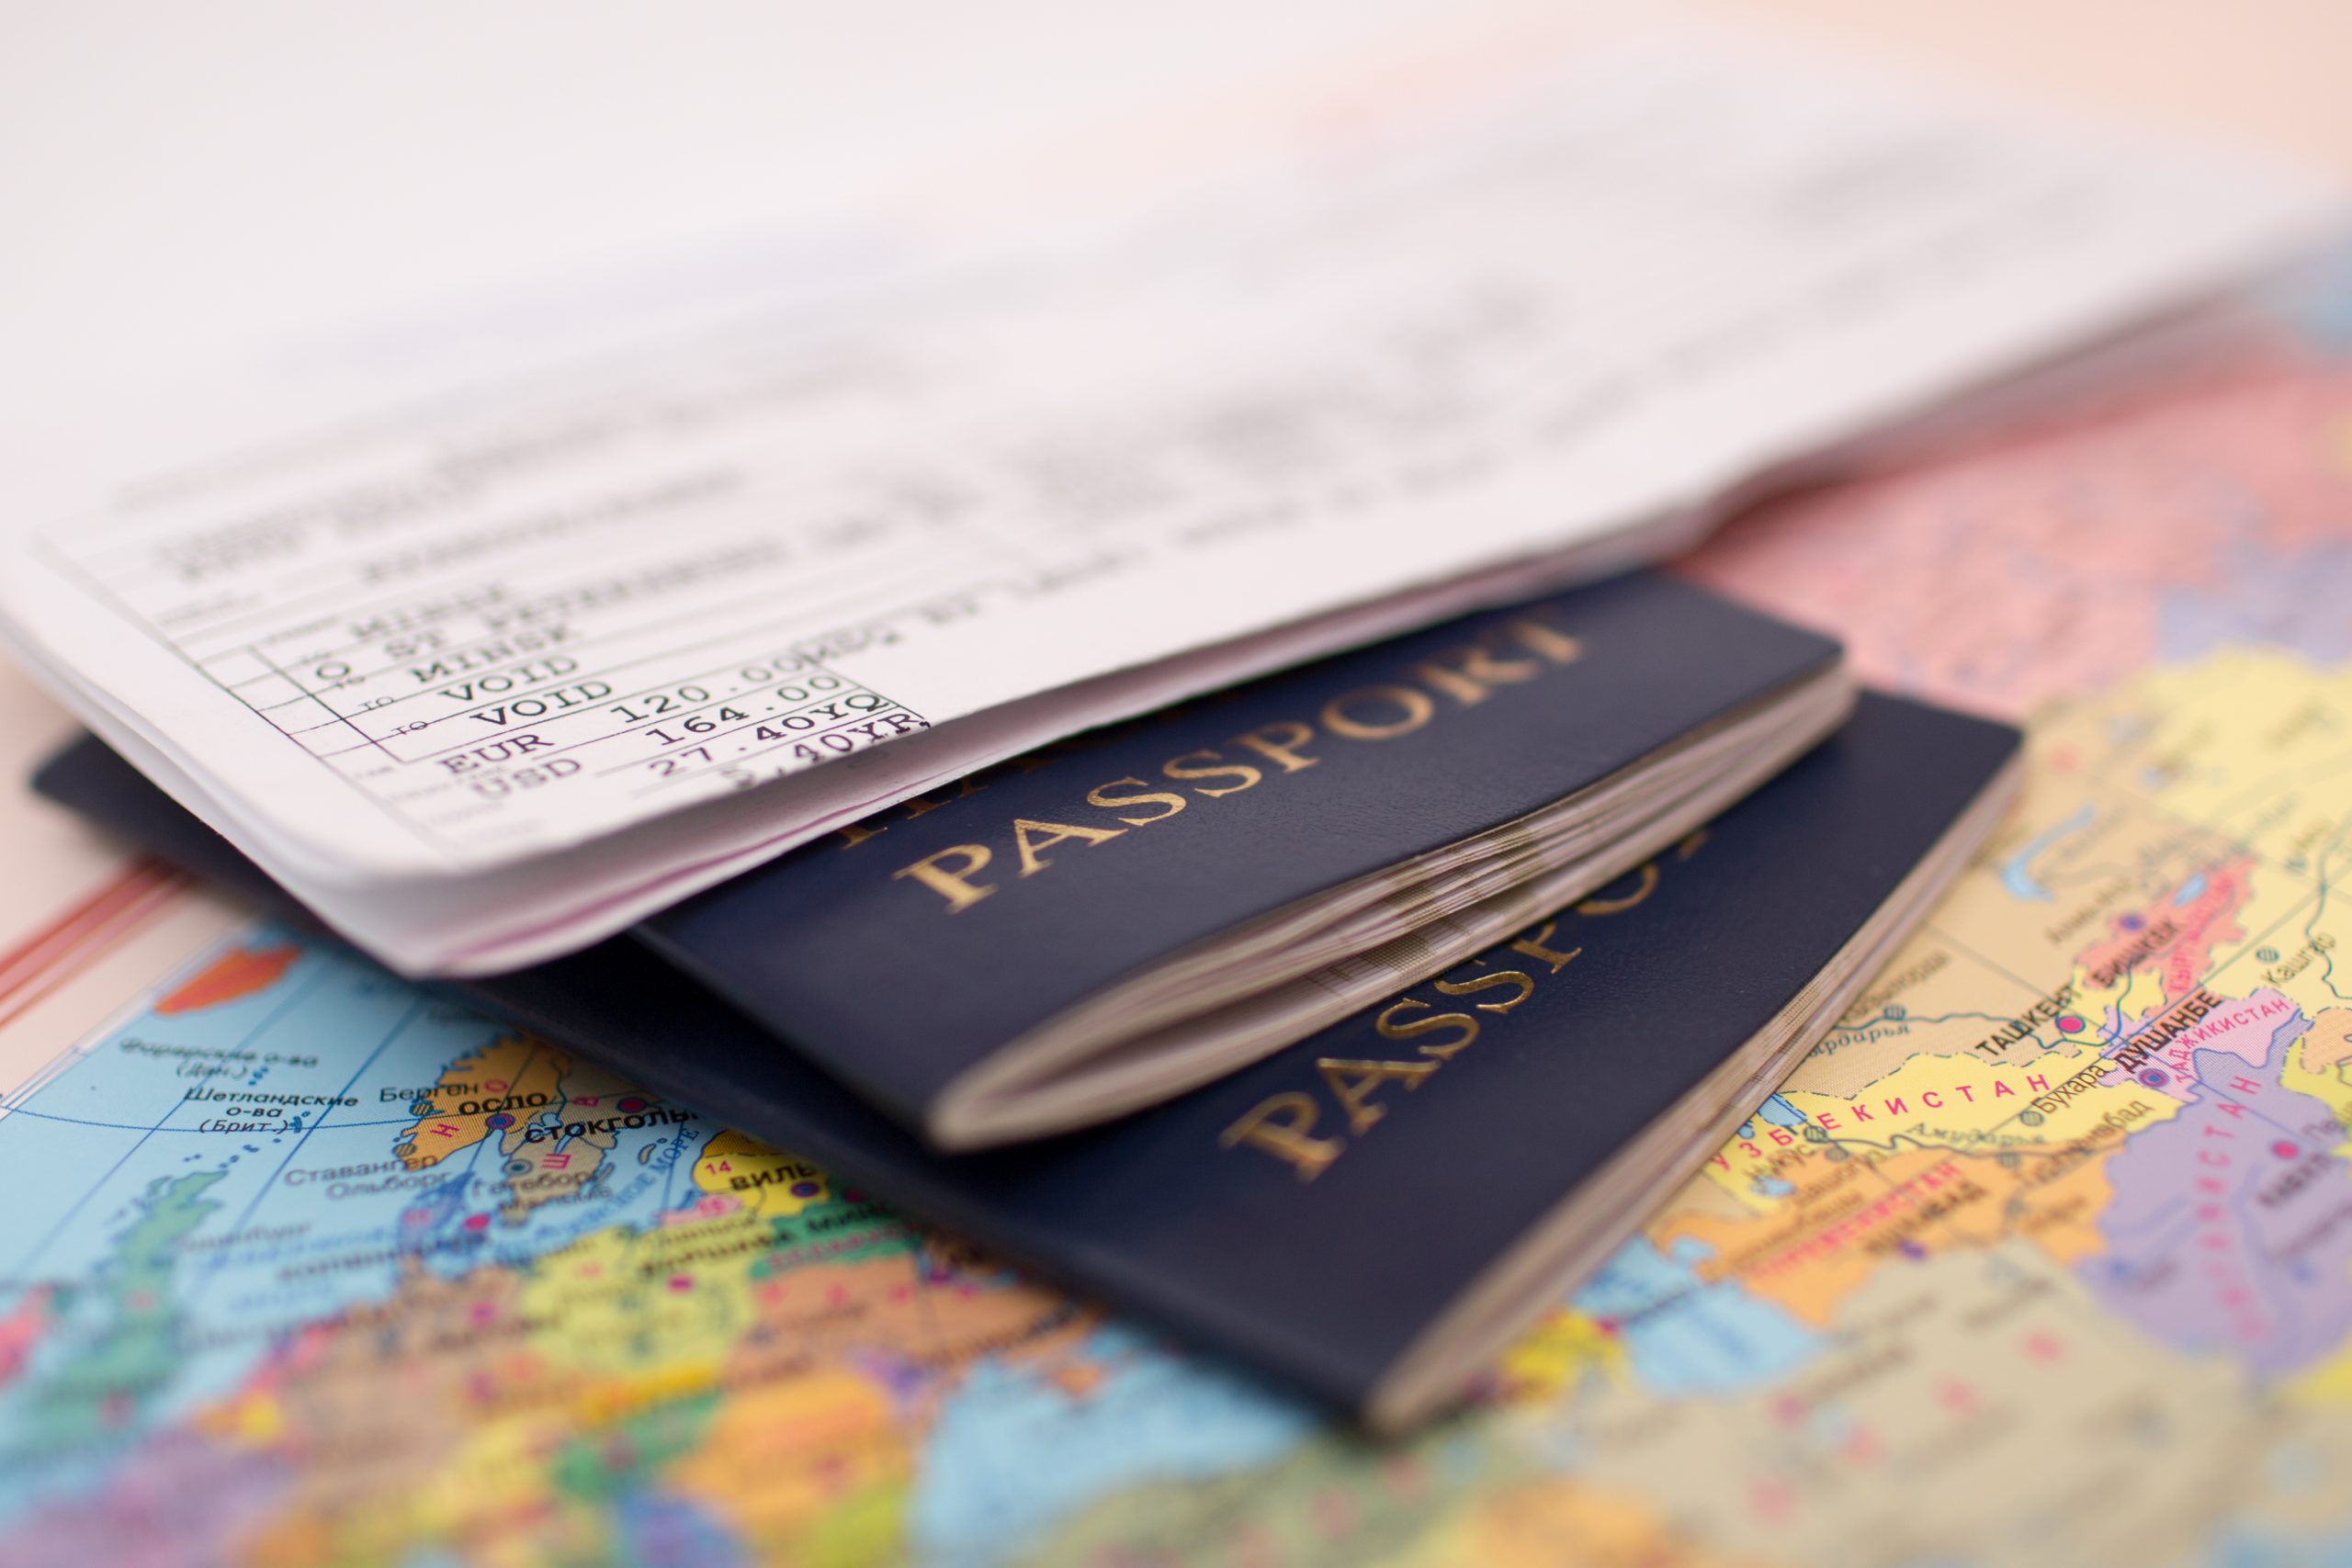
2044,1257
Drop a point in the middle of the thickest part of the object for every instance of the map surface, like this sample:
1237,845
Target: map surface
2043,1257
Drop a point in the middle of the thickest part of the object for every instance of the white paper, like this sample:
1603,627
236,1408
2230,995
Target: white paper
406,659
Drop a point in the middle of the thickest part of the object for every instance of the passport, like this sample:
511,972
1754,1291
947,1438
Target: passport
1140,911
1371,1213
1103,924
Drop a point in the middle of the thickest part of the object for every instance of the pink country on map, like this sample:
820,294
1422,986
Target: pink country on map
2194,511
2182,932
2214,1027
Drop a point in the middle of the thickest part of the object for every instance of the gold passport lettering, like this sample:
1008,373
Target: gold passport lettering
1354,1083
1511,655
1284,1125
1280,1126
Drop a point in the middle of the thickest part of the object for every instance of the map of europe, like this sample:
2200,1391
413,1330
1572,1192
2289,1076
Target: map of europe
2044,1255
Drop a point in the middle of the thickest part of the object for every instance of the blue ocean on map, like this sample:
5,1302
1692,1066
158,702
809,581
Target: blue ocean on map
1686,1337
1011,1454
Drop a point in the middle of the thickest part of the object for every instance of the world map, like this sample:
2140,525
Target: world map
2044,1255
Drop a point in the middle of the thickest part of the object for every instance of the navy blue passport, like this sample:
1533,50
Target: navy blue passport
1135,912
1369,1215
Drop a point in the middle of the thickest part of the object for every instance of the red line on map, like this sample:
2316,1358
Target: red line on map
76,938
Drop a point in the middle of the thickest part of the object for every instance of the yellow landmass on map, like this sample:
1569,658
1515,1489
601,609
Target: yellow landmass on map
622,1301
483,1095
2037,1104
2253,743
1971,1104
544,1165
2329,1383
741,1170
1562,1349
548,1170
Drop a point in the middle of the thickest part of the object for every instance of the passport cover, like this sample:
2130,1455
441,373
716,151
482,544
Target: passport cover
904,951
1324,1249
